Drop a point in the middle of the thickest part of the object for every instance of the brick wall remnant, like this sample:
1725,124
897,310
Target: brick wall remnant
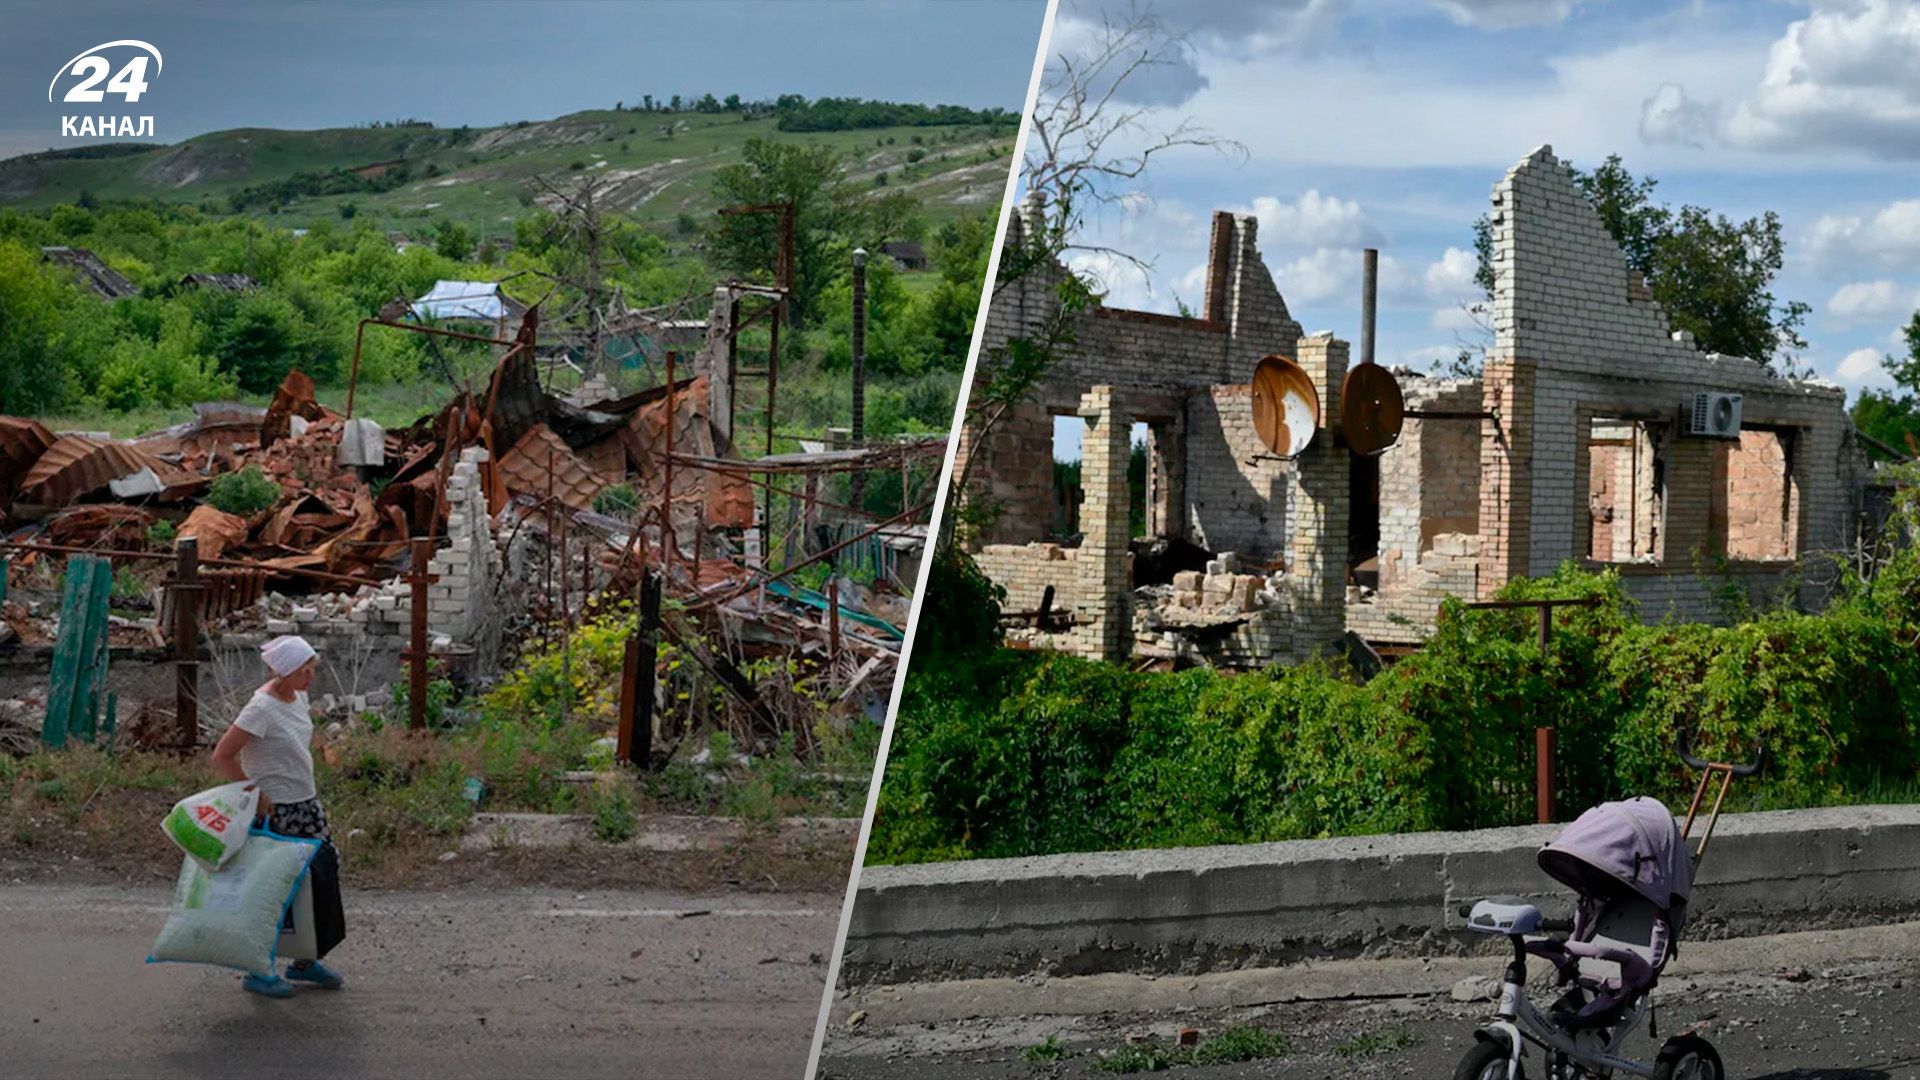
1579,342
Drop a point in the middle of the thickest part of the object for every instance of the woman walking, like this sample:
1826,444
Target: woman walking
271,744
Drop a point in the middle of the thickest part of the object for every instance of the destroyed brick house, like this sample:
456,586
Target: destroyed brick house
1593,434
502,487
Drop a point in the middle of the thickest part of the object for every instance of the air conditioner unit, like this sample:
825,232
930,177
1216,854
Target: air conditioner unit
1714,415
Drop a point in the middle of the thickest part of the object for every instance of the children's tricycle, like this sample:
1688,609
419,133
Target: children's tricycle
1628,864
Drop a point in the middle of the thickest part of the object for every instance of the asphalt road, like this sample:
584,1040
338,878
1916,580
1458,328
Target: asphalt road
497,983
1793,1008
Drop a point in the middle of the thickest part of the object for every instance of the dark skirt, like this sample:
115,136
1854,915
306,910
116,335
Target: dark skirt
308,820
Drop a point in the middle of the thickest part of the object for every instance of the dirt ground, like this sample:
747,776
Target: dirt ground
461,981
1826,1005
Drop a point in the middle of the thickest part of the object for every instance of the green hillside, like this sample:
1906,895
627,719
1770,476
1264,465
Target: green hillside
403,178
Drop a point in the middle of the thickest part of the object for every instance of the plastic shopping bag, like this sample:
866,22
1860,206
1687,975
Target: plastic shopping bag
211,826
232,917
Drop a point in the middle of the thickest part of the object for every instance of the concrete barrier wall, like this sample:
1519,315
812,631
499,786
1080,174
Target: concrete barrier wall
1198,909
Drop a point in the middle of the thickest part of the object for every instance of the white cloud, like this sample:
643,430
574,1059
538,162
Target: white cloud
1322,275
1328,272
1453,274
1889,237
1670,116
1859,366
1863,300
1506,14
1353,109
1842,78
1244,28
1123,282
1314,220
1458,319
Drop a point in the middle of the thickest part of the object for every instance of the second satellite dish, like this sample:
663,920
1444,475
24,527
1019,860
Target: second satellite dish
1286,407
1371,409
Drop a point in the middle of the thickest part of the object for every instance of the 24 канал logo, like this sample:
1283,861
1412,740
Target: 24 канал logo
85,75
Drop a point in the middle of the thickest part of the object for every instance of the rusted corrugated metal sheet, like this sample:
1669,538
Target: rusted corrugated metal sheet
105,526
22,441
76,466
518,403
728,498
215,529
294,397
541,454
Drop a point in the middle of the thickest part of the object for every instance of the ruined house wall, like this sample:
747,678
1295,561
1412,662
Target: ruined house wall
1025,571
1211,481
1575,342
1429,516
1236,491
1163,368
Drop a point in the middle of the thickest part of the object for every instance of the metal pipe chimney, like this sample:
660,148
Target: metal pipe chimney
859,423
1369,288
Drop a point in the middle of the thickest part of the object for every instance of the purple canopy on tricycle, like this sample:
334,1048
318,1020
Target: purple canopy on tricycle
1635,844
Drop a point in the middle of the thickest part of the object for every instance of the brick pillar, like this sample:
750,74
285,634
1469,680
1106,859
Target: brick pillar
1105,601
716,361
1317,568
1506,483
457,601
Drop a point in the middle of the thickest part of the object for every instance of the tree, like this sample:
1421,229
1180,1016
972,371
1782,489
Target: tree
50,333
1712,275
261,341
453,240
1892,416
1085,146
733,103
827,212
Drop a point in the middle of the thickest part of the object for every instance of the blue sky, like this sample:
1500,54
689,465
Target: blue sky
1369,122
325,63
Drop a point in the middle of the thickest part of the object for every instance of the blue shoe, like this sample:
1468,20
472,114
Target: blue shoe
272,986
315,972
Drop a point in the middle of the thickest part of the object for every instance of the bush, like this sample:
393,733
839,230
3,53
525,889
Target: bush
614,817
243,493
1001,753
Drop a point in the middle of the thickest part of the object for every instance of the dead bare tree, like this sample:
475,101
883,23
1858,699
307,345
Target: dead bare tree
1088,145
581,231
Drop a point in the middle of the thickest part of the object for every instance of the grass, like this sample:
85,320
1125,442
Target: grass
1051,1050
395,798
480,175
1384,1041
1236,1044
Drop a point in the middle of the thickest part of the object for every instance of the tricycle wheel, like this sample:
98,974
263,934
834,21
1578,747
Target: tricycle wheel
1486,1061
1688,1057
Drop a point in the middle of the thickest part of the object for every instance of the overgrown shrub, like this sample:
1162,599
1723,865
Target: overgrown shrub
1005,753
244,492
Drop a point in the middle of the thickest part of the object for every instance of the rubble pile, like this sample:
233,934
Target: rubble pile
506,481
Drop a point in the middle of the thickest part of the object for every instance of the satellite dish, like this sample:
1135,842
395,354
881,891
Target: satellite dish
1371,409
1286,406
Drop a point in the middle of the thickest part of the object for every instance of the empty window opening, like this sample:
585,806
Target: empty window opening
1363,522
1756,502
1069,433
1626,491
1139,469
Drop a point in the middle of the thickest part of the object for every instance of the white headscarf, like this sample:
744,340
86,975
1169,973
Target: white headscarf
285,654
